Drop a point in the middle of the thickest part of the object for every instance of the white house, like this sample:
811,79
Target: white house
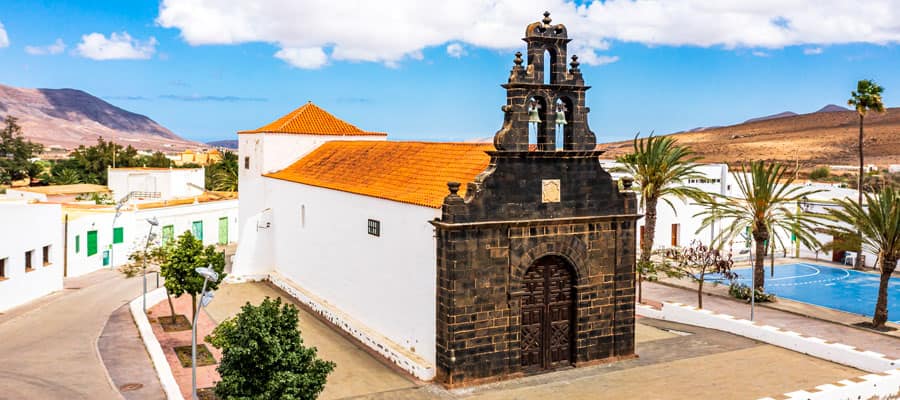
31,256
324,204
155,183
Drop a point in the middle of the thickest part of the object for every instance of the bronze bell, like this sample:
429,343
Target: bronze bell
561,117
533,115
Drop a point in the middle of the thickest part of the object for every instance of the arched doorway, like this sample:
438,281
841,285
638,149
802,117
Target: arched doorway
548,315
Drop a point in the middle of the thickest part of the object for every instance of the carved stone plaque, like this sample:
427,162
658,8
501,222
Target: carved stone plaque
550,190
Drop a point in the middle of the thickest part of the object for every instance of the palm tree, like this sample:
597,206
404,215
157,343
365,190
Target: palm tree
768,204
866,97
879,225
659,167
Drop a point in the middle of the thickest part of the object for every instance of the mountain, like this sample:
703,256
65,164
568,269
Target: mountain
819,138
228,144
832,108
773,116
68,118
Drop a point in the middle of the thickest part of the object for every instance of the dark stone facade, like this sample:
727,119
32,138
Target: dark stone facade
528,206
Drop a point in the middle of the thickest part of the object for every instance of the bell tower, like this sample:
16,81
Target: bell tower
530,94
535,266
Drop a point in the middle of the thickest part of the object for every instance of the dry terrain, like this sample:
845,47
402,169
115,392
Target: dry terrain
821,138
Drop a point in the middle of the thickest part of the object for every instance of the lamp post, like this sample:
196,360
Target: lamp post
205,298
153,222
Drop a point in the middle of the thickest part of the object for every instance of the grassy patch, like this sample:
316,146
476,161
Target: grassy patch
204,357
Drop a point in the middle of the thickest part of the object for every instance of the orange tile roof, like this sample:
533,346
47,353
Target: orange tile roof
408,172
309,119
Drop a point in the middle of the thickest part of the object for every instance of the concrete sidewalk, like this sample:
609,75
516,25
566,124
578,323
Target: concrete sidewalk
126,359
834,332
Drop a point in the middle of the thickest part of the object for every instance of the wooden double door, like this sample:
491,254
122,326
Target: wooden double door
548,315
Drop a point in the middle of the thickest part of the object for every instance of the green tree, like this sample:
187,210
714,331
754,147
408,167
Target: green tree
866,97
879,225
65,176
820,173
769,202
660,168
695,262
155,160
182,259
92,162
16,153
223,175
263,356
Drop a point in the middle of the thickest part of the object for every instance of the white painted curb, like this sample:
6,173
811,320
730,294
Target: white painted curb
166,379
878,386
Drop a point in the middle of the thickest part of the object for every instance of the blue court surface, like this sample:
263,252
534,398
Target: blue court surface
837,288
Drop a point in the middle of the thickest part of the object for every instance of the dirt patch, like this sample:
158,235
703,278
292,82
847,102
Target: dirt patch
204,357
868,325
181,323
207,394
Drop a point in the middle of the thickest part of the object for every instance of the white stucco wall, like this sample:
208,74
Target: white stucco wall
386,282
29,227
169,183
135,229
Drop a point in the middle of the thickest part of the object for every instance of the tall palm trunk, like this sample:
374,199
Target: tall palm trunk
647,238
881,312
859,187
760,235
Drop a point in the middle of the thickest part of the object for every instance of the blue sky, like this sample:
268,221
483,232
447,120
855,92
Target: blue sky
206,77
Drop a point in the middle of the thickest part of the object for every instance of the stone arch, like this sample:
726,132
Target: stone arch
572,249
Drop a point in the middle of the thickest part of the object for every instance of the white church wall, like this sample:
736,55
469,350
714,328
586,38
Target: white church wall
29,228
387,282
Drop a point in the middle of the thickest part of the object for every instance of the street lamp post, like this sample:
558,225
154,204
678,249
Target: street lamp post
153,222
208,275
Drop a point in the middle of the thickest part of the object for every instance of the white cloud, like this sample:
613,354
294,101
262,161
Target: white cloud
4,40
119,46
456,50
758,53
812,51
390,31
307,58
57,47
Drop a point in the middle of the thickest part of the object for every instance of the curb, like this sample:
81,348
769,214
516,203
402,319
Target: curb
154,349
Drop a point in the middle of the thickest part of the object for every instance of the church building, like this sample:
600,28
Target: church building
459,262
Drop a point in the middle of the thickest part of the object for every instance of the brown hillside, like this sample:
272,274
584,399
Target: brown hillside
823,138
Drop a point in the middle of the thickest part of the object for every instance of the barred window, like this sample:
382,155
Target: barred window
374,227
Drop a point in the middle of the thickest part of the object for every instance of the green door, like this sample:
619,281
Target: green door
197,229
223,230
91,243
118,235
168,234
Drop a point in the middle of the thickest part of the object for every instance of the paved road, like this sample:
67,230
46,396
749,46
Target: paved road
48,349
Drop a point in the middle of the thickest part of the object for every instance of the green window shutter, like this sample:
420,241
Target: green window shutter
118,235
168,234
197,229
223,230
77,244
91,243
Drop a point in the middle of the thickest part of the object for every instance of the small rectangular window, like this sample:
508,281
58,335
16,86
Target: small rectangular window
77,243
168,234
197,229
118,235
46,255
2,268
28,255
675,230
246,162
303,216
374,227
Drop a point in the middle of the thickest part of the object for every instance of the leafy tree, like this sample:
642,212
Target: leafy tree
92,162
16,153
695,262
65,176
155,160
866,97
263,356
769,201
820,173
182,259
660,168
879,225
223,175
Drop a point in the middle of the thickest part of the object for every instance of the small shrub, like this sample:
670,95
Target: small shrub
741,291
131,270
820,173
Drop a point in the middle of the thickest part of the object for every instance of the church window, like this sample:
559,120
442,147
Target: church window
374,227
548,63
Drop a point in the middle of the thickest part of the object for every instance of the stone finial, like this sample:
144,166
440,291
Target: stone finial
546,19
627,182
454,187
574,64
518,60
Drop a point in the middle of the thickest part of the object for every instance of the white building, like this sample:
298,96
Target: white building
156,183
323,208
31,256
